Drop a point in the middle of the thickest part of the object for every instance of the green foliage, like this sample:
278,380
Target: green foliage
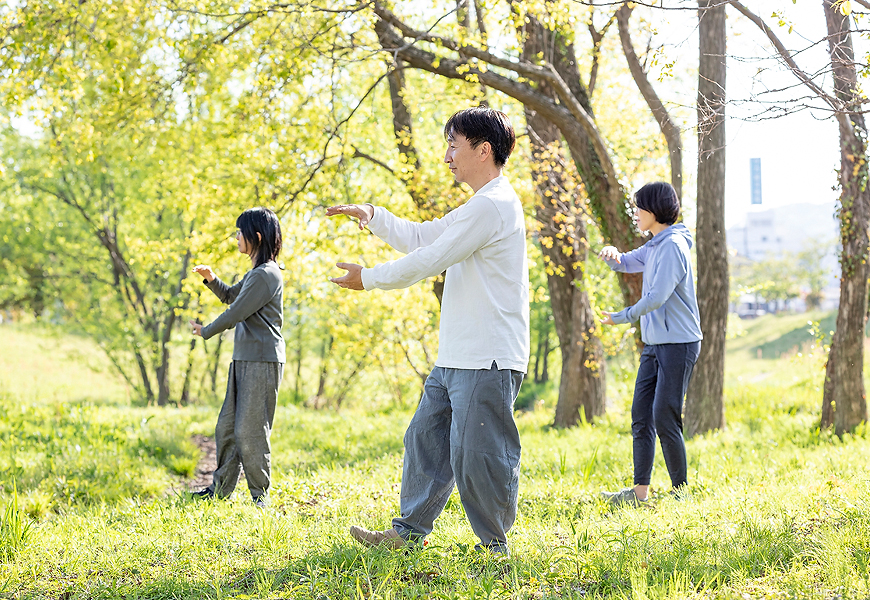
782,278
152,127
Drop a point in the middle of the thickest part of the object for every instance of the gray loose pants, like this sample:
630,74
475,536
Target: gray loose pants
464,433
244,426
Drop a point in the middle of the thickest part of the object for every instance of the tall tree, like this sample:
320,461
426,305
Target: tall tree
561,213
844,374
704,409
844,403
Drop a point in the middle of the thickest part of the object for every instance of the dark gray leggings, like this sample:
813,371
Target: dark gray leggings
662,379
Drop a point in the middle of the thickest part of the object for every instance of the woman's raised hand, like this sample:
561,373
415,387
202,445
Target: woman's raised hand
205,272
361,212
610,253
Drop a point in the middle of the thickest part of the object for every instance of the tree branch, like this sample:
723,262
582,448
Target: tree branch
666,124
787,58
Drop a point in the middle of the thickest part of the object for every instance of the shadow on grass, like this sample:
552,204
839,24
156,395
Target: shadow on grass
793,340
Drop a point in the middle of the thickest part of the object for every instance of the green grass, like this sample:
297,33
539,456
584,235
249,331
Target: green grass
777,509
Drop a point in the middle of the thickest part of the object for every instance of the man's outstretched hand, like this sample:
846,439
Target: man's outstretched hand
351,280
361,212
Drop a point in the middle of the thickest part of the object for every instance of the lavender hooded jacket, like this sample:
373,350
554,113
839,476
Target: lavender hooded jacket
668,310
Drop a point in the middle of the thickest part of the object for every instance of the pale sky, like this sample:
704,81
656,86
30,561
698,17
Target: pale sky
799,152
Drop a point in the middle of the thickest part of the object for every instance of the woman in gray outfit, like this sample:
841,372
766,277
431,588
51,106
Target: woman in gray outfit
671,331
257,312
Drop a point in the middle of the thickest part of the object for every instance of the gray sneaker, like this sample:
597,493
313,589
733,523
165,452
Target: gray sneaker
625,497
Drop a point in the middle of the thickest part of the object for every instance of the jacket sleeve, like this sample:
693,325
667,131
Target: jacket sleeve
254,294
470,227
671,269
406,236
630,262
225,293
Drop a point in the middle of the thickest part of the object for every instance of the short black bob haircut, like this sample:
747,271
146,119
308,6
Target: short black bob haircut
661,200
265,222
484,124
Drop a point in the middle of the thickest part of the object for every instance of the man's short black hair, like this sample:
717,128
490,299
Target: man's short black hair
484,124
661,200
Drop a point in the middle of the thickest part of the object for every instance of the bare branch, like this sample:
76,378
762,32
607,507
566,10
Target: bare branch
668,127
357,153
326,144
786,57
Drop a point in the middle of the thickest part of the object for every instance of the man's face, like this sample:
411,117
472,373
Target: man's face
461,157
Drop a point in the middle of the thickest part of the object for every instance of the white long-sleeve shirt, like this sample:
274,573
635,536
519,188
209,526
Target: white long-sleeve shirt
482,244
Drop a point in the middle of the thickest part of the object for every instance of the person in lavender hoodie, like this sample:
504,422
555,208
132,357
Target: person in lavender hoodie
671,331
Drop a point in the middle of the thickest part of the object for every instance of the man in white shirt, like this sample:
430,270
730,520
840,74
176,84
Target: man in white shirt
463,431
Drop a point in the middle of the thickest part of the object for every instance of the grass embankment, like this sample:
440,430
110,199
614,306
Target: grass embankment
777,509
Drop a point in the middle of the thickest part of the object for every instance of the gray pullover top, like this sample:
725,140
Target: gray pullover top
668,310
256,311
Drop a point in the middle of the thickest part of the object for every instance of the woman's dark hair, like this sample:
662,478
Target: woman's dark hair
661,200
484,124
265,222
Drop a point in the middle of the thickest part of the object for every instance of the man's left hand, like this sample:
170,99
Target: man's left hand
351,280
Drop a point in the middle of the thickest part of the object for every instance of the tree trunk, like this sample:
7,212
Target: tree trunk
216,363
166,335
565,248
844,389
704,409
324,353
185,388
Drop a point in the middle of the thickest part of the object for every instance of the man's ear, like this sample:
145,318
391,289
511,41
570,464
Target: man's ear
485,150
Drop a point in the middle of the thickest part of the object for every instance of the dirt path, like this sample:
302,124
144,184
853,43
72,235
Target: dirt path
207,463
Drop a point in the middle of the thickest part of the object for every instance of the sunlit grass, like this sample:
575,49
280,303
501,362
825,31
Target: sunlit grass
776,509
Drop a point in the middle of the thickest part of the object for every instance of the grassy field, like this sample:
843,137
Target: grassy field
91,504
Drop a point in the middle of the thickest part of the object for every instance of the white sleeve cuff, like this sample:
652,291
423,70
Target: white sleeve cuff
366,276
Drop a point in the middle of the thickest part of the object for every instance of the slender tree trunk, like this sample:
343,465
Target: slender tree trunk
564,244
844,386
146,380
324,353
704,409
219,340
185,388
166,335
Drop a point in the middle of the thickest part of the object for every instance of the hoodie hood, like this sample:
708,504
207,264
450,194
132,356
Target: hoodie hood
676,229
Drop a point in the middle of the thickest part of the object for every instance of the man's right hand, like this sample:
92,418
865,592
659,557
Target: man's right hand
205,272
361,212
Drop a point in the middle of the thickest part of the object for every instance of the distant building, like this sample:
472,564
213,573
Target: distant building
755,179
781,231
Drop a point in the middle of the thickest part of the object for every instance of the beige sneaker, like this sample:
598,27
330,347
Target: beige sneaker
389,538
